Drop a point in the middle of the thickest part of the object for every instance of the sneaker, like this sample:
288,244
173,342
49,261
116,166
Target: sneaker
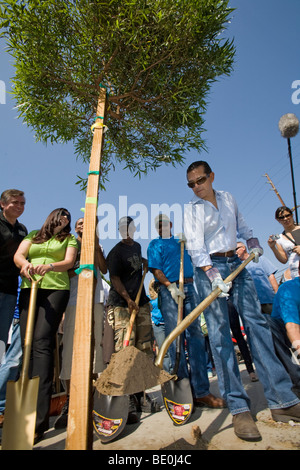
133,416
61,421
147,405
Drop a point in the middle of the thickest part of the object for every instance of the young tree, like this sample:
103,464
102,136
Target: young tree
156,58
140,69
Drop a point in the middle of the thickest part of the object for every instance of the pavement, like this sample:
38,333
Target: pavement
207,429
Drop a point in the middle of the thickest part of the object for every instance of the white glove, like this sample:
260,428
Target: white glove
224,286
216,280
254,247
180,237
175,292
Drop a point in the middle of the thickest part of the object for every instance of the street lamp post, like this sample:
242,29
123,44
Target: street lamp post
289,127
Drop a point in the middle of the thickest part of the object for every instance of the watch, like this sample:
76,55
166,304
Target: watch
51,266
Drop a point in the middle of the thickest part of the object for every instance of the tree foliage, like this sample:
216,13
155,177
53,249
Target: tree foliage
157,60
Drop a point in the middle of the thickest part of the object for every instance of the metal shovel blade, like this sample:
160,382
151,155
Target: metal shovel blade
20,414
178,400
177,394
110,415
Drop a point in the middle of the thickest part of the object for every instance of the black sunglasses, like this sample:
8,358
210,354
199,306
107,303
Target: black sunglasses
66,214
199,181
286,216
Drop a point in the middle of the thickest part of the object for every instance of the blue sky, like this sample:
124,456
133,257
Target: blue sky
242,136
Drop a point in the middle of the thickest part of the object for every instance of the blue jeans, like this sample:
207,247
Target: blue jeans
282,346
274,378
9,369
7,310
160,336
195,343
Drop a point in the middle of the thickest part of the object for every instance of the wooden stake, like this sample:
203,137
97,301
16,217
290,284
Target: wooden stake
79,431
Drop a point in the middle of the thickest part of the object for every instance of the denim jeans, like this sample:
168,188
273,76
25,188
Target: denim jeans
274,378
160,336
282,346
7,310
195,343
9,369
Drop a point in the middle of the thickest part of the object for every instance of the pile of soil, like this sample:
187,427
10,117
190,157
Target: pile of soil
130,371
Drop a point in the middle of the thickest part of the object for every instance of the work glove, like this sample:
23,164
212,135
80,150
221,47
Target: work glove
216,280
180,237
175,292
254,247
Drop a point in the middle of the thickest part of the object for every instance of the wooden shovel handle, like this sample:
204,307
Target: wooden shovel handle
181,283
180,307
133,314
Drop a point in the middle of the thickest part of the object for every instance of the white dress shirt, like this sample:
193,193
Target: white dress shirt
210,230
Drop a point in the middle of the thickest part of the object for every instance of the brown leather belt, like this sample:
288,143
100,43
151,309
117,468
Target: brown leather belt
226,254
187,280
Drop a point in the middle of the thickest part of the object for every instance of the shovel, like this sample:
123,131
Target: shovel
21,396
188,320
111,419
177,394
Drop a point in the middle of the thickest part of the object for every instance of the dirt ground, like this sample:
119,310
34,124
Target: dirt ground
207,429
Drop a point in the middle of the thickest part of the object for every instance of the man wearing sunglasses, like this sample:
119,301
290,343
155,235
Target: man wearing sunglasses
212,224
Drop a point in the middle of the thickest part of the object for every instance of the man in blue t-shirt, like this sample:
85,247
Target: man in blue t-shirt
164,262
285,326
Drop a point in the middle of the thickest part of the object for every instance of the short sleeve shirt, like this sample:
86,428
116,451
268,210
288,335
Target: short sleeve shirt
125,262
164,254
48,252
287,302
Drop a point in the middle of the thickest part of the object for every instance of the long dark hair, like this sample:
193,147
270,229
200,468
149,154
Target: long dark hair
53,221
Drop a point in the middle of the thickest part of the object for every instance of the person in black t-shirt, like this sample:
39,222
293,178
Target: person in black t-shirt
12,203
125,264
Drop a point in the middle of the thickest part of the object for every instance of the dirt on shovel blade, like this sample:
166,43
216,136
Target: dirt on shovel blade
130,371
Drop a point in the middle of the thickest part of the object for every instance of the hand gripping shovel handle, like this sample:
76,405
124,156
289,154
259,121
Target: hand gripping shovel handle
196,312
133,314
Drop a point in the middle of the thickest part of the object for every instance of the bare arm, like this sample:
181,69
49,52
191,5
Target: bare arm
159,275
273,283
21,261
100,260
278,251
20,258
120,288
293,333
